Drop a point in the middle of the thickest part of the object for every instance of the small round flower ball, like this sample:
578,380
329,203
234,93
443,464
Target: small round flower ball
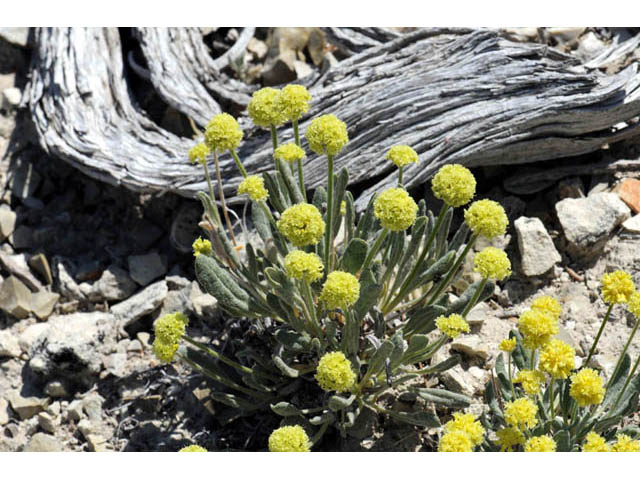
456,441
327,134
492,263
334,373
289,439
262,108
508,438
624,443
537,328
402,155
395,209
289,152
466,422
168,331
595,443
547,304
201,245
253,186
486,218
222,133
293,101
557,359
531,381
634,304
453,325
542,443
586,387
508,345
199,153
192,448
521,413
454,184
340,290
303,266
617,287
302,224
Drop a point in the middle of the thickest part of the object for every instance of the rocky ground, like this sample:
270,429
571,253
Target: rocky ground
86,268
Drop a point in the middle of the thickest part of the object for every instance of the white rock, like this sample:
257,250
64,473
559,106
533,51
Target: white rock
538,252
11,98
471,345
30,335
204,305
4,412
16,35
114,284
140,304
633,224
9,346
144,269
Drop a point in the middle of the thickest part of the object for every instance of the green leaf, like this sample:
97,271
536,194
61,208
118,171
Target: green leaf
459,238
298,342
377,362
234,401
421,419
435,271
337,403
521,356
292,186
284,368
443,366
369,295
285,409
355,255
350,215
339,187
443,397
350,344
418,346
617,383
219,283
443,232
563,441
422,321
461,303
272,181
367,221
322,419
320,199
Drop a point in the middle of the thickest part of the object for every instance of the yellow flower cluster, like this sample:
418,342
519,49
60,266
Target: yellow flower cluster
192,448
509,437
201,245
543,443
487,218
595,443
262,108
402,155
169,329
547,304
521,413
334,373
293,101
617,287
289,152
456,441
253,186
454,184
343,208
340,290
289,439
466,423
303,266
395,209
586,387
492,263
508,345
198,153
327,134
634,304
222,133
302,224
624,443
453,325
557,359
537,328
531,381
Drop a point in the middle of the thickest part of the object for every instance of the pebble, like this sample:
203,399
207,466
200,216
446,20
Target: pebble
116,364
113,285
538,252
471,345
140,304
11,98
43,303
18,266
144,269
75,411
4,411
203,304
633,224
15,298
47,422
30,335
9,346
459,381
15,35
42,442
40,264
629,191
26,407
7,222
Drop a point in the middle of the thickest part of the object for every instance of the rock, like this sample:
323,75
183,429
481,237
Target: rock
40,264
140,304
92,405
479,314
30,335
285,46
134,346
177,282
204,305
43,303
25,180
590,46
177,301
74,411
633,224
146,268
459,381
116,364
145,233
9,346
56,389
47,422
114,284
629,192
68,286
317,46
4,411
604,363
145,338
26,407
571,187
42,442
587,222
258,48
521,34
538,252
22,238
17,265
184,228
7,222
97,443
471,345
302,69
566,336
15,298
11,98
566,35
15,35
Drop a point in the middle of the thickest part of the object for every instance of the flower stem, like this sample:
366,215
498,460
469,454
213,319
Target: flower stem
374,250
399,176
238,163
595,342
328,235
476,295
626,383
624,351
212,195
296,133
224,206
274,138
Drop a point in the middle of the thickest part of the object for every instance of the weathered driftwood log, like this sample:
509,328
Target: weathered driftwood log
455,95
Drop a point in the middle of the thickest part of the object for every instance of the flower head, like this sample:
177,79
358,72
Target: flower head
595,443
289,439
466,422
335,373
617,287
531,381
492,263
557,359
222,133
192,448
508,345
169,329
293,101
453,325
402,155
289,152
343,208
509,437
454,184
543,443
395,209
198,153
487,218
586,387
327,134
547,304
634,304
625,443
302,224
262,108
537,328
340,290
303,266
521,413
456,441
201,246
253,186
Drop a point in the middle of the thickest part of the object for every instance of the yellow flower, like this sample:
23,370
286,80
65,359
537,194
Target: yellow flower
509,437
289,152
453,325
537,328
508,345
466,422
327,134
303,266
617,287
199,153
192,448
557,359
253,186
343,208
543,443
302,224
634,304
454,184
222,133
262,108
595,443
456,441
586,387
169,329
201,246
289,439
521,413
402,155
531,381
547,304
293,101
395,209
487,218
625,443
492,263
335,373
340,290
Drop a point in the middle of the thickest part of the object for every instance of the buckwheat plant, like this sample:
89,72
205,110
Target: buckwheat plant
347,307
